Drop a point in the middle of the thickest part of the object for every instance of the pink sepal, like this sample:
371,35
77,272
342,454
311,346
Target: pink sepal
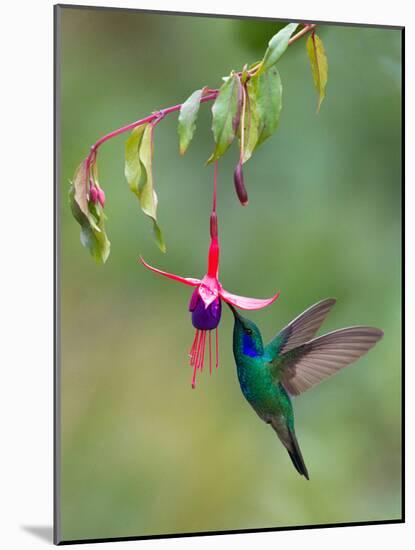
185,280
246,303
209,289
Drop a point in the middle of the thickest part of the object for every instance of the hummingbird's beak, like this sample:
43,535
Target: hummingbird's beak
235,313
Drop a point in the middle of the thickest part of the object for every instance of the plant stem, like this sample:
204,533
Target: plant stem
242,149
304,30
154,117
215,186
158,115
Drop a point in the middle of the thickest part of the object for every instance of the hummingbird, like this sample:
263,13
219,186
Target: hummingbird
291,363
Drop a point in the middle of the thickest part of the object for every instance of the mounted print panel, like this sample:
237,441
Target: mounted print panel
228,237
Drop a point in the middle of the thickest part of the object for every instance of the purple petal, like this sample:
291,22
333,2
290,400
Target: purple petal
205,318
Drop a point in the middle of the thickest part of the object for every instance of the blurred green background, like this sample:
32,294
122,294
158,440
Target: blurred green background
142,453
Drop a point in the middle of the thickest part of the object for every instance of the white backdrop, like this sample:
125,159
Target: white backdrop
27,281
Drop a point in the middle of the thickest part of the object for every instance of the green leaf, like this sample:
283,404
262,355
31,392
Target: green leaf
133,169
265,97
251,128
187,119
319,65
226,115
277,46
146,193
93,235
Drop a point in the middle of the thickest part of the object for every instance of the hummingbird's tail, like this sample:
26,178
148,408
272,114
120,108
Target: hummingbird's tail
296,456
289,440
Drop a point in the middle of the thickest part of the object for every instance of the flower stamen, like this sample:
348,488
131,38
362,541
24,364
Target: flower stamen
210,353
202,351
192,349
217,348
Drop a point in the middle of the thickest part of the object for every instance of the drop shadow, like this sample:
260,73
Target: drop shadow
44,532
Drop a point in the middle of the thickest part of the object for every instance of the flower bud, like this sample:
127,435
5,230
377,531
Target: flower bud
101,197
238,178
93,194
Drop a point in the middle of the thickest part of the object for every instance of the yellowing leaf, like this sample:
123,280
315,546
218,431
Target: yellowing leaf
146,193
96,241
251,123
139,175
80,184
133,169
319,65
93,235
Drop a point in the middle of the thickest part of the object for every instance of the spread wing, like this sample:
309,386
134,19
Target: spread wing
301,330
311,363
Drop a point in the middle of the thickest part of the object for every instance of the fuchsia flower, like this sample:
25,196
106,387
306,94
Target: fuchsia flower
205,303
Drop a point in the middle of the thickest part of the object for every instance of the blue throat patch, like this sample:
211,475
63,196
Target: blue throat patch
249,346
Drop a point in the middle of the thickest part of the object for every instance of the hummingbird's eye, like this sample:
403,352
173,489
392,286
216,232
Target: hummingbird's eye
248,331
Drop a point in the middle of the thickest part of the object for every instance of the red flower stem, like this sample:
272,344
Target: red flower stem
154,118
215,186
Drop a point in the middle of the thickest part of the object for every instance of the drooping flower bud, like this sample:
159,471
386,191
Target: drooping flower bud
93,194
238,178
101,197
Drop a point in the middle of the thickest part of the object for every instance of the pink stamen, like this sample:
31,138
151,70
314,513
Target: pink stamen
192,349
210,352
202,359
194,355
199,358
197,349
197,353
201,351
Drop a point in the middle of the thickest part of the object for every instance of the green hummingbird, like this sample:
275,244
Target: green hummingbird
291,363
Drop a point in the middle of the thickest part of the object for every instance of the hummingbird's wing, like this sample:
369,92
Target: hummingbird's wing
301,330
312,362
